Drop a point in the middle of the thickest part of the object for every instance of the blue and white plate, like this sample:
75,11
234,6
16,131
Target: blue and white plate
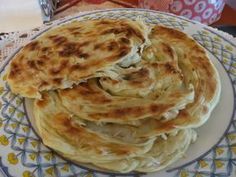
213,154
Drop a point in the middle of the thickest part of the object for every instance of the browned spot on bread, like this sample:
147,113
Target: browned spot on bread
203,63
112,81
83,55
32,46
64,63
69,49
167,50
44,57
123,51
31,90
64,53
86,43
139,78
107,31
72,29
64,125
173,33
126,29
133,32
205,110
120,113
97,46
15,69
57,81
159,108
43,84
124,40
104,22
12,74
124,111
40,62
112,45
78,67
32,64
154,108
60,68
112,30
45,49
76,33
96,63
43,101
142,73
85,91
58,40
178,34
170,68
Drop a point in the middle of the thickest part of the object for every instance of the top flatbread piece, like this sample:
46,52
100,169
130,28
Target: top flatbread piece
71,53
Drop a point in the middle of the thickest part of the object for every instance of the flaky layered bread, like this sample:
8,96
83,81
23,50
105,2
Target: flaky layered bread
69,135
73,52
91,102
162,154
175,74
118,94
78,141
197,70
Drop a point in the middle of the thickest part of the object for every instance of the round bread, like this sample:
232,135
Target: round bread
72,138
118,94
175,84
73,52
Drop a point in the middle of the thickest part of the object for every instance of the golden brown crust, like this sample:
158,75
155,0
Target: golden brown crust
51,116
75,134
71,52
130,97
197,70
90,102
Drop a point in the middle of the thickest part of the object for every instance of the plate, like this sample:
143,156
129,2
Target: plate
213,154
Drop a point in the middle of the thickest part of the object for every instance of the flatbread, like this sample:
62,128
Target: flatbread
73,52
76,141
179,86
118,94
197,70
57,127
90,102
162,154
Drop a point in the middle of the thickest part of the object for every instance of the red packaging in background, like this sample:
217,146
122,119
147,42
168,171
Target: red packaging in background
204,11
95,1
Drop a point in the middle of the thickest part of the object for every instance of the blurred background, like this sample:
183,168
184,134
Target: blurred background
20,15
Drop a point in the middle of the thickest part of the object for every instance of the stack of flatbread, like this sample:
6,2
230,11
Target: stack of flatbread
119,94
